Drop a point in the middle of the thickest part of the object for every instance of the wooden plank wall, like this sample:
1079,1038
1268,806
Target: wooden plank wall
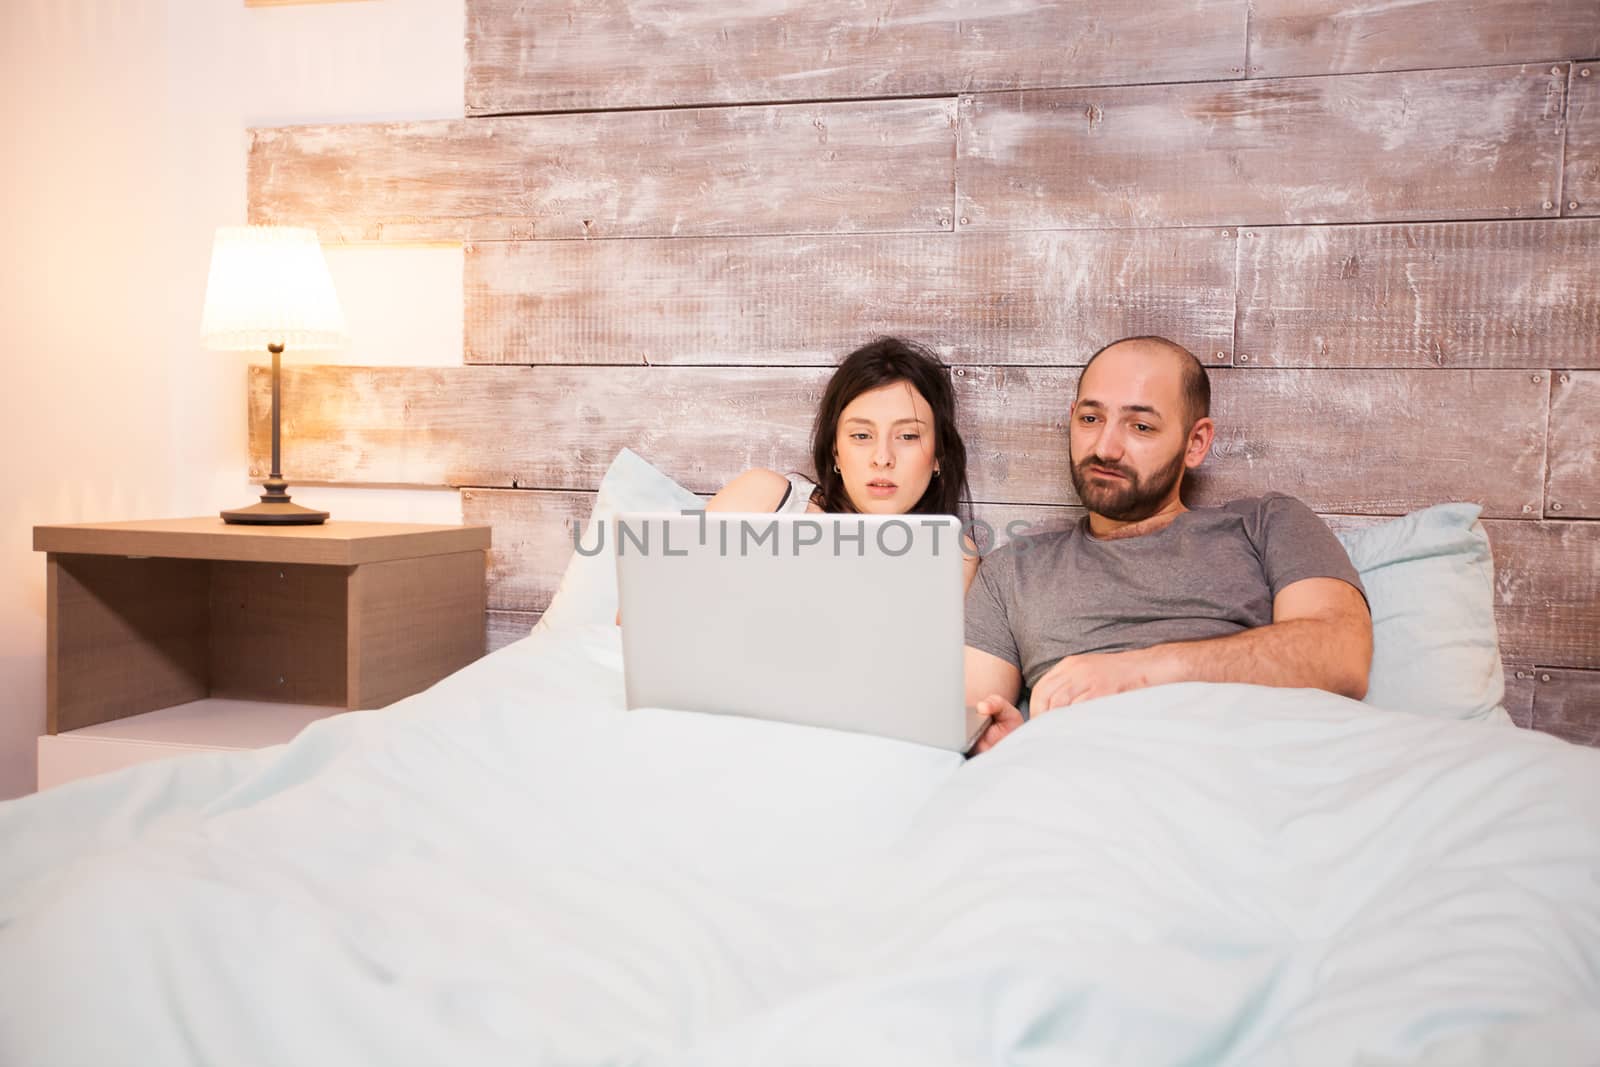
1379,223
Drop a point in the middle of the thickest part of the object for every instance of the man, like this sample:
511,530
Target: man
1144,591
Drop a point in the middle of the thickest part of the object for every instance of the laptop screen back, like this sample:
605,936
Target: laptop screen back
845,621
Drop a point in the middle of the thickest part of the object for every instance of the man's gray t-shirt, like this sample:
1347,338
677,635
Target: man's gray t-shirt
1209,573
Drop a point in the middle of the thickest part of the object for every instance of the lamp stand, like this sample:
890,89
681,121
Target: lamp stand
275,508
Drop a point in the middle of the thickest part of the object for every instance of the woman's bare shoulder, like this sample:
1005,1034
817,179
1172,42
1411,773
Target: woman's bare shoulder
757,489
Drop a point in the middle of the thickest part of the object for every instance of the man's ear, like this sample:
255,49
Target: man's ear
1199,444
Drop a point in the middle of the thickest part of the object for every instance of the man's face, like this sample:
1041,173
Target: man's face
1130,433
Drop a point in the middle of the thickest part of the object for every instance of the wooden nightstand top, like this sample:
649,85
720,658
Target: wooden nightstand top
334,542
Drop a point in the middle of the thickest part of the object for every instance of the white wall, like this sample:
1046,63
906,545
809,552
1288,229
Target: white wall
125,137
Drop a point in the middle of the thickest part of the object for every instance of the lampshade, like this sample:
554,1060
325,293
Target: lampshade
270,285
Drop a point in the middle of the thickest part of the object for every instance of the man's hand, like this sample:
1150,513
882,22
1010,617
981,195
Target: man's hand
1003,718
1094,674
993,685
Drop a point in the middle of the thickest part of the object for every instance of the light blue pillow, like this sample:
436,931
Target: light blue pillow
1430,584
588,590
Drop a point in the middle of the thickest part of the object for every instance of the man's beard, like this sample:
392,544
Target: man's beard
1125,501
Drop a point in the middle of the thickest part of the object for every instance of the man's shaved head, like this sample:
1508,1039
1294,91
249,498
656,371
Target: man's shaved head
1194,385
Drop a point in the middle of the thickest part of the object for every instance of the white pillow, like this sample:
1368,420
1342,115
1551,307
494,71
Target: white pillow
1430,583
588,590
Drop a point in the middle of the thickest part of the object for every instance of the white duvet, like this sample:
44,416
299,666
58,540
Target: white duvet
509,868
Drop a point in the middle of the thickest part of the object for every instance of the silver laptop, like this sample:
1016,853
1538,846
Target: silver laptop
851,622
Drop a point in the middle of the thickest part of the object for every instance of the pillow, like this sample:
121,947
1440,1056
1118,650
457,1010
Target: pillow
588,590
1430,584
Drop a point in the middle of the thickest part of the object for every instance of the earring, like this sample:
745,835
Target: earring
936,472
836,468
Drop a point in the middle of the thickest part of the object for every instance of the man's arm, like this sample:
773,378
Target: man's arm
1320,637
993,685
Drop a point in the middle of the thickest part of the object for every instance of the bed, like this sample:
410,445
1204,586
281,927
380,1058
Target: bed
511,868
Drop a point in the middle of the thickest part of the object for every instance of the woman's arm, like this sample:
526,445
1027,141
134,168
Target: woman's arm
969,564
756,490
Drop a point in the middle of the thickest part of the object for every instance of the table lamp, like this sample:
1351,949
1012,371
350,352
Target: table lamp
269,285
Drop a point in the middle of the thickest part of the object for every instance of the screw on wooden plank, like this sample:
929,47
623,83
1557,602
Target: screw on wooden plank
1544,677
1548,205
1572,205
1555,506
1537,379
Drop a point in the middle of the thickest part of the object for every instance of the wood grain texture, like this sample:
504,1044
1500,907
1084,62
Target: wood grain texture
1289,37
501,628
1520,681
122,637
621,53
1567,703
279,631
534,538
1380,442
1580,193
995,525
412,622
532,427
1385,365
1335,437
1429,145
337,541
978,298
1465,294
801,168
1572,489
1547,591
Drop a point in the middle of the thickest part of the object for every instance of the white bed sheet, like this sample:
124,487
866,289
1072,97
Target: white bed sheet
509,868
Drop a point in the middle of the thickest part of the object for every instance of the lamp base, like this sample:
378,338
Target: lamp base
277,513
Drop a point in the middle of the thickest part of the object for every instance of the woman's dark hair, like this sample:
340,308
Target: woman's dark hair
884,362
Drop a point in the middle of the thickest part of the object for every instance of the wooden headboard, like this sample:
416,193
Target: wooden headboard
1378,224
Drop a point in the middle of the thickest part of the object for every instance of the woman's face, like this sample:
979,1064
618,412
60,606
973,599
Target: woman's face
885,449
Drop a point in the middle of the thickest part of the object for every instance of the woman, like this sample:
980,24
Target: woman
884,443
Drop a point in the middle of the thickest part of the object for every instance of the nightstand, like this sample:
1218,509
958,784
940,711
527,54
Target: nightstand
177,635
